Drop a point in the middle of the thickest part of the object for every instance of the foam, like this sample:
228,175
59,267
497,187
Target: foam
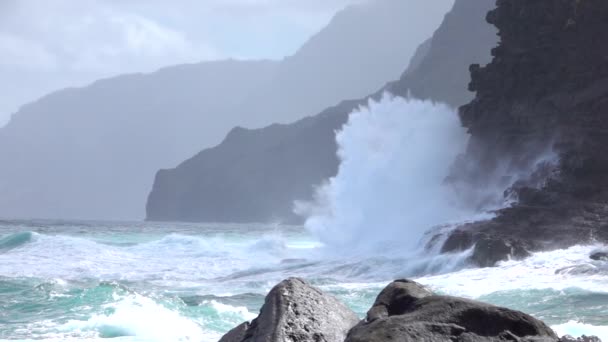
578,329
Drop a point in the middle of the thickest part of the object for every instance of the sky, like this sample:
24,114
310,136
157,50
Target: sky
46,45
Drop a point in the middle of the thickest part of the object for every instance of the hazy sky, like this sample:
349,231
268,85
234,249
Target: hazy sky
51,44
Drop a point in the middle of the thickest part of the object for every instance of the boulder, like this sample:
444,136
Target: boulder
237,334
398,296
599,255
538,129
296,311
488,251
412,313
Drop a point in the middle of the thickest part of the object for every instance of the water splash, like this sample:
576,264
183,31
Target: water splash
395,155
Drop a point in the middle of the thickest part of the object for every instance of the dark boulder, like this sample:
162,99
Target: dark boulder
488,251
599,255
397,297
415,314
457,241
237,334
297,311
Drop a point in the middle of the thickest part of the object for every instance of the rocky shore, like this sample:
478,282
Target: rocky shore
404,311
540,108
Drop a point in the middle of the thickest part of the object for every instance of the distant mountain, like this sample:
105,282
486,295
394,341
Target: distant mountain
91,153
256,175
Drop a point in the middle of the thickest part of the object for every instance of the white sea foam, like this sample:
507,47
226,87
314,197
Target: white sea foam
577,329
139,317
557,270
240,312
395,155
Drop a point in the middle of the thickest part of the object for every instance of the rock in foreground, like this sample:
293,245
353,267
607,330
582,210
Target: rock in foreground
296,311
406,311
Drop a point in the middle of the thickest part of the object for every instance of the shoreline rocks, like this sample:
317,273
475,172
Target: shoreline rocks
540,110
296,311
404,311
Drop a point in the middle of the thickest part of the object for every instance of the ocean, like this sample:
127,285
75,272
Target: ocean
77,281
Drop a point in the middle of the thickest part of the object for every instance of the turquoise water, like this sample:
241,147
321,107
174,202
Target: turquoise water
193,282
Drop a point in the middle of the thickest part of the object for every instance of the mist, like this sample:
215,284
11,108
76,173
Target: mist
101,145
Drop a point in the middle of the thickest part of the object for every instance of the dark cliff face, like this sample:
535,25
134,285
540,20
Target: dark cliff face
252,176
545,90
256,175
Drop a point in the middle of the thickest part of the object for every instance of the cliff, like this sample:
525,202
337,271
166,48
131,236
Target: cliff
545,93
92,152
256,175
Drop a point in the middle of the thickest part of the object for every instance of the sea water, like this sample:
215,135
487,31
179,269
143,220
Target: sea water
193,282
366,227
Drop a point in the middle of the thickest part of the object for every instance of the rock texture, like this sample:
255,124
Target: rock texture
545,91
406,311
100,146
256,175
296,311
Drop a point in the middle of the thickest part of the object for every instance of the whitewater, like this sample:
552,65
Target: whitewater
64,280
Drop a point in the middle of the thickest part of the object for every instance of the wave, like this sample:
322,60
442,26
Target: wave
137,316
167,261
16,240
395,155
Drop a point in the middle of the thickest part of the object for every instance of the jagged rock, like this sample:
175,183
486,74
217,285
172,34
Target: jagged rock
296,311
412,313
544,93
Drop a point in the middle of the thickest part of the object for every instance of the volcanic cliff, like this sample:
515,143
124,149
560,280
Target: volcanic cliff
545,93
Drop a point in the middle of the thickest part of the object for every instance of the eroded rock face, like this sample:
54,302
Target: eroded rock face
406,311
545,92
296,311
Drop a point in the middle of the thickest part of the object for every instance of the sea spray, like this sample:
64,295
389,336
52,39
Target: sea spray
395,155
198,281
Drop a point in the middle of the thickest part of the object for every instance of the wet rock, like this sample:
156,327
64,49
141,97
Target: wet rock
538,128
396,298
409,312
297,311
599,256
457,241
489,251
